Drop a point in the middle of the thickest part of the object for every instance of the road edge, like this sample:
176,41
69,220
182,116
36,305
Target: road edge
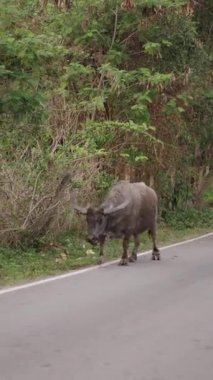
91,268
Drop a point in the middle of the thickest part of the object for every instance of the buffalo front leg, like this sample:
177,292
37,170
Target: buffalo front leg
133,256
101,254
155,251
124,258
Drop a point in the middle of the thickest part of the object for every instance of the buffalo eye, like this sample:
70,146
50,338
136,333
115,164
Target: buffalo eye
100,219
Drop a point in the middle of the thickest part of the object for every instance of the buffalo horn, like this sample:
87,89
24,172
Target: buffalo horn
82,210
111,210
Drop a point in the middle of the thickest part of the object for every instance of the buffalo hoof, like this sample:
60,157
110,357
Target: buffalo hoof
132,258
123,262
155,256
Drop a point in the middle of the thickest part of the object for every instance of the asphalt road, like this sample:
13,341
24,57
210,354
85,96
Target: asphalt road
147,321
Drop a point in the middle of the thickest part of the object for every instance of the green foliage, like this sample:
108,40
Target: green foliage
103,183
208,194
189,219
172,108
152,48
100,84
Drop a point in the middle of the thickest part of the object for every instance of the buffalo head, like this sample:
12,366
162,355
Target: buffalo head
97,220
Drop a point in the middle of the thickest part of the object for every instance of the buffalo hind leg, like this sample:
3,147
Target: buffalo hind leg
155,251
133,256
101,255
124,258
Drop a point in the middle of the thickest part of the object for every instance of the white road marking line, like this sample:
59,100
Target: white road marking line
91,268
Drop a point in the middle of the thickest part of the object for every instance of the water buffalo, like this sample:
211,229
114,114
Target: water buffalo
128,210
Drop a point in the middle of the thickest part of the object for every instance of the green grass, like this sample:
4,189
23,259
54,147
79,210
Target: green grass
67,251
208,196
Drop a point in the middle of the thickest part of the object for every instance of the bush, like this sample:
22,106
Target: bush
189,219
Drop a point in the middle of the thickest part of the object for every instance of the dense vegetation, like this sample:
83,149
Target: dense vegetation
96,90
